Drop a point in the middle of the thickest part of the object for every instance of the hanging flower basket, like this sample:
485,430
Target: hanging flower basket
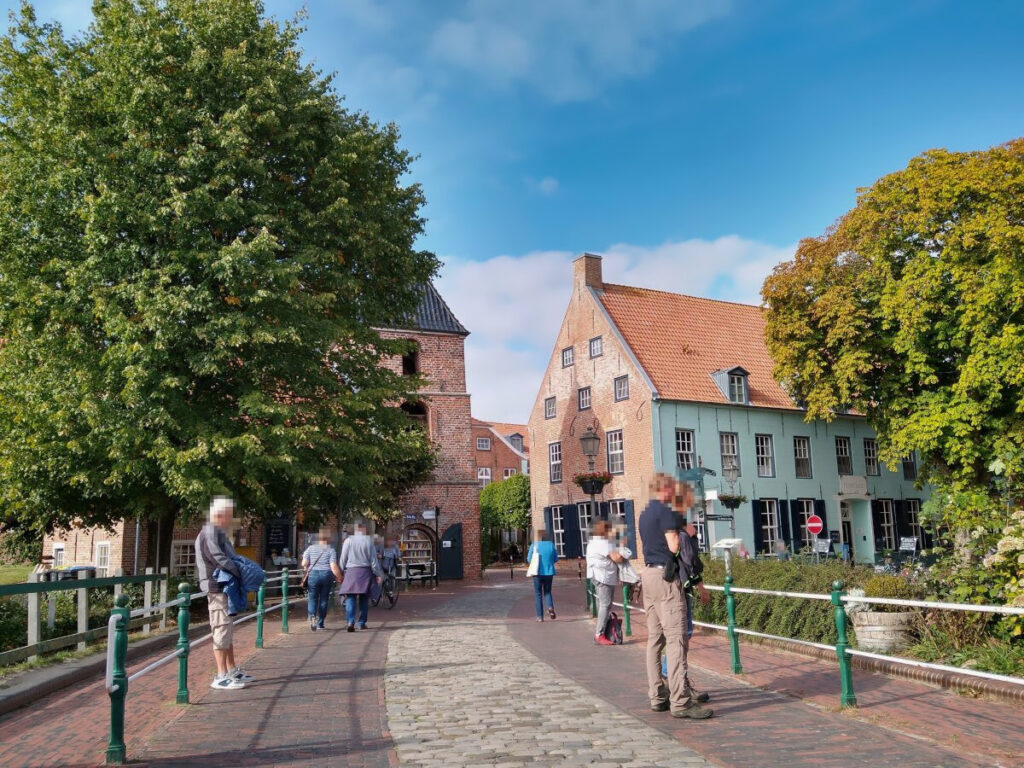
592,482
731,500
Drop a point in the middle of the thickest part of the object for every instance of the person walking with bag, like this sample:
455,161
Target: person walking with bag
665,603
542,557
603,561
320,562
359,565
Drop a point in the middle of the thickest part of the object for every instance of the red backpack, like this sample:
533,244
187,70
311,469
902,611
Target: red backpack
613,629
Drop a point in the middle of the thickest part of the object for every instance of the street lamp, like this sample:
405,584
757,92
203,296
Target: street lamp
590,444
730,472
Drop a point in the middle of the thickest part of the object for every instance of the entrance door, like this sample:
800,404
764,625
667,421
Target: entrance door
847,528
450,557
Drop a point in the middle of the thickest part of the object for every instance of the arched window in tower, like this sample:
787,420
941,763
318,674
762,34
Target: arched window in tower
417,412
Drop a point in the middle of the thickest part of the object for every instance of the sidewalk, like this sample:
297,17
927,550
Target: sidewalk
783,711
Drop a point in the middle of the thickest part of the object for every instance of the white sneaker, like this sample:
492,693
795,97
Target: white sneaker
226,683
241,675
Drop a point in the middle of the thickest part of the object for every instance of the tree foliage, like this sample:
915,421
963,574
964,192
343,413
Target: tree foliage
196,242
506,504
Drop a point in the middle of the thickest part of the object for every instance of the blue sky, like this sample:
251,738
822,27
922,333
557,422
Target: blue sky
693,142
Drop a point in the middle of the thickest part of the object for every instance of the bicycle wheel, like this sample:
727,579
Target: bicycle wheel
376,594
391,590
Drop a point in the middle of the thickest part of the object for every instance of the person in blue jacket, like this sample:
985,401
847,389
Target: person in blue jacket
547,556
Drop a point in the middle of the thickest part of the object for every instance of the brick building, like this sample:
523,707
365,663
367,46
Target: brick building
502,450
447,508
673,383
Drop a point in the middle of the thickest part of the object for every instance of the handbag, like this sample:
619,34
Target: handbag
305,576
671,571
534,563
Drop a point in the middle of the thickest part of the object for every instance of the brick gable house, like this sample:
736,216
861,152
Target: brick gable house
443,407
501,450
671,383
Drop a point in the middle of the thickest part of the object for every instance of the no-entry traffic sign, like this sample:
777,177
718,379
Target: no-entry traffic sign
814,525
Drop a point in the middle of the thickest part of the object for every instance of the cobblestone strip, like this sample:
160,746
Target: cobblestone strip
484,700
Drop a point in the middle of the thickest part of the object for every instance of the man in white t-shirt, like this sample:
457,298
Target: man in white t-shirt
603,560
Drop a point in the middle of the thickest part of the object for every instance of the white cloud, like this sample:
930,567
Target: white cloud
513,305
568,50
548,186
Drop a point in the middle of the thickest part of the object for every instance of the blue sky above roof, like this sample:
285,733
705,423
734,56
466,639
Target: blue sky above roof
691,142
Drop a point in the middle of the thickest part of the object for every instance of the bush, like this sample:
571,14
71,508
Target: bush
891,586
802,619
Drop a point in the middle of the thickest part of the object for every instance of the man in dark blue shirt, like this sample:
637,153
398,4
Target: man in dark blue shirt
665,602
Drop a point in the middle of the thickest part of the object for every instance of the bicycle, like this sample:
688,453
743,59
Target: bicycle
389,588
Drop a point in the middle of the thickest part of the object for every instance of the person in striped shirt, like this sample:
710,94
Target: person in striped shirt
320,561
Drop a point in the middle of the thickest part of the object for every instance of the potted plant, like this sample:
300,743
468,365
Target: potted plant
731,500
592,482
884,628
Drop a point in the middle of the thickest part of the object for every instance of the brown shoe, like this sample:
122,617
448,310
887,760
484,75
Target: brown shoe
693,712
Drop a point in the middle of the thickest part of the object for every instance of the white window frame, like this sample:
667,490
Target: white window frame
764,450
871,457
568,357
483,443
483,476
549,407
58,562
686,452
187,546
769,523
555,462
914,519
616,448
888,524
723,449
620,386
911,463
617,512
509,472
101,546
802,453
586,519
596,347
517,442
583,398
843,455
558,530
806,510
737,388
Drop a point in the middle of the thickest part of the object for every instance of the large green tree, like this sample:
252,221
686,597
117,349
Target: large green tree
196,243
911,310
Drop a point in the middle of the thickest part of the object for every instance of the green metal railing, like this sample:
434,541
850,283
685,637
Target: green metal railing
117,678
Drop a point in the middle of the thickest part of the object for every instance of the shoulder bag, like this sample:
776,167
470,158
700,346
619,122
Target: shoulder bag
305,576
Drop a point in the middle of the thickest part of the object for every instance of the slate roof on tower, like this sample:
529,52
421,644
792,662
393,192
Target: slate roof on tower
681,340
433,314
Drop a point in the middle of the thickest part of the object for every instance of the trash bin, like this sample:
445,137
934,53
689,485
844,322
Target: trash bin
72,573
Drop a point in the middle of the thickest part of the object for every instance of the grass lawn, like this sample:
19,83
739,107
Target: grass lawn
12,574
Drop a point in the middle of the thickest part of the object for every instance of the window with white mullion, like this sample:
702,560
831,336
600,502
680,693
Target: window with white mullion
685,455
586,518
102,558
871,457
914,520
729,443
183,558
558,531
769,525
844,462
616,452
802,456
806,510
483,476
584,398
737,388
555,462
765,455
888,525
58,556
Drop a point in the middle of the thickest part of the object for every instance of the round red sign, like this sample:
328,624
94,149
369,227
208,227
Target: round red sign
814,525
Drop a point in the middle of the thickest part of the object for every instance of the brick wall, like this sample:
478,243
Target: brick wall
499,458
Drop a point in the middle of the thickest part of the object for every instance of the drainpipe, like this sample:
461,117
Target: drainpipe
135,566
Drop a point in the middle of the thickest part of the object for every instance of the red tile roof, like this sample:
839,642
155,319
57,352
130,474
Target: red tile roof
505,430
681,340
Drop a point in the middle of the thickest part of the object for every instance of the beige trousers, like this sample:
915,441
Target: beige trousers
665,604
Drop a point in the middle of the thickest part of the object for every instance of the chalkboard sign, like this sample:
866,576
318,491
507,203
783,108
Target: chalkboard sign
278,535
908,544
822,546
833,536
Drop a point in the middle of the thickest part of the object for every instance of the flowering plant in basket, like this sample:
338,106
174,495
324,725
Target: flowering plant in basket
592,477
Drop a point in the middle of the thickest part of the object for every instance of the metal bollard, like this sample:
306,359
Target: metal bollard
116,750
625,610
185,596
734,643
284,601
846,695
260,614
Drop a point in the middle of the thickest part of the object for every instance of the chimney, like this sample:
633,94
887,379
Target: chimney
586,270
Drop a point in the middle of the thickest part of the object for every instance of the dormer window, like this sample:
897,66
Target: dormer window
733,384
517,441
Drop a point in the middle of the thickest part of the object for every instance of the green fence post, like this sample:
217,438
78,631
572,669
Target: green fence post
846,695
116,750
284,601
734,642
184,594
625,610
260,613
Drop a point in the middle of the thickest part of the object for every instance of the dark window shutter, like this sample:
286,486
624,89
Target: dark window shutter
549,525
819,510
631,527
902,521
603,510
571,536
876,525
758,507
795,525
785,529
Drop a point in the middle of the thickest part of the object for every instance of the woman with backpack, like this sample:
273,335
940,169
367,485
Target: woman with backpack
603,560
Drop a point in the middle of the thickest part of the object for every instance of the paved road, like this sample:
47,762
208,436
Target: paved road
464,676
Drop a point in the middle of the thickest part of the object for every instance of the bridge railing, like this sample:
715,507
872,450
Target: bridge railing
117,677
842,648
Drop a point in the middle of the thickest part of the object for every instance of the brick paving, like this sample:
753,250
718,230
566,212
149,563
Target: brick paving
760,719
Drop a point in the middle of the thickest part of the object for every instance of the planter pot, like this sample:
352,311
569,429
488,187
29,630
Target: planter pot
880,632
592,486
